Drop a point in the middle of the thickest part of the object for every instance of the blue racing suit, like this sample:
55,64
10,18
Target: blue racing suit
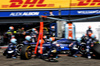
34,36
53,32
89,41
89,31
54,47
9,33
74,47
11,47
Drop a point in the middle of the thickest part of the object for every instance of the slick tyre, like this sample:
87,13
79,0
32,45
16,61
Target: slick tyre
96,49
26,53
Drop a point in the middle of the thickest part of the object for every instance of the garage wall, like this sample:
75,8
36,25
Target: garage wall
83,26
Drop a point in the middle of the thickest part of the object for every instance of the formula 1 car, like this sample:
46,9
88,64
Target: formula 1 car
50,51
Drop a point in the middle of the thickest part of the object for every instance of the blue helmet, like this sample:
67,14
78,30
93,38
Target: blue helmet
93,36
28,38
13,40
79,39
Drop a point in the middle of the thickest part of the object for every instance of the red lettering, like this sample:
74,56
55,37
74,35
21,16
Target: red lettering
92,4
83,2
98,1
98,4
40,4
16,3
31,3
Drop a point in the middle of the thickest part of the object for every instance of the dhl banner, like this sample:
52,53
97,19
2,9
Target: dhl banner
30,4
40,4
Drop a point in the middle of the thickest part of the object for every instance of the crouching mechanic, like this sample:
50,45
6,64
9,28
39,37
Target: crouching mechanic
11,47
54,50
74,46
89,44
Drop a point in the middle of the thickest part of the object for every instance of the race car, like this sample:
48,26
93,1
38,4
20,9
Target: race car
50,51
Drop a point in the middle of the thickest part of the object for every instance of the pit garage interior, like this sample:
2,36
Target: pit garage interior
34,22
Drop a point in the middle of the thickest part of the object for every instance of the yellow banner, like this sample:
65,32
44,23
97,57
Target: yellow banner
39,4
85,3
33,4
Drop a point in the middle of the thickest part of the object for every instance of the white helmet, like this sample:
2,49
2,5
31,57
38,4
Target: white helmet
28,38
93,36
13,40
11,28
33,29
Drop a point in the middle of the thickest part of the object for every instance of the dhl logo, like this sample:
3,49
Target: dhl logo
86,2
29,3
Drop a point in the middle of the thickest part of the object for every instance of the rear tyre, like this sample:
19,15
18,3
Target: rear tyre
96,50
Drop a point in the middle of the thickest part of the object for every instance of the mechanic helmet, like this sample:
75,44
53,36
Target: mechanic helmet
93,36
79,39
41,41
45,37
28,38
22,28
90,27
11,28
52,38
83,35
13,40
13,36
34,29
53,27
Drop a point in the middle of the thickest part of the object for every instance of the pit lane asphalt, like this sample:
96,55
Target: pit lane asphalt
62,61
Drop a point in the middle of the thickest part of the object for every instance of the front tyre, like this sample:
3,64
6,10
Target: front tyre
26,52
